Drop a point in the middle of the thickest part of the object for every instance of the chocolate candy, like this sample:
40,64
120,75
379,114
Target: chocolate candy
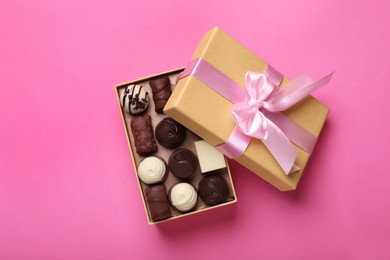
170,133
152,170
161,89
183,197
213,189
183,163
157,201
210,159
142,130
134,99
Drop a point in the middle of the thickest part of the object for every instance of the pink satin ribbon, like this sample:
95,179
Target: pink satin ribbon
256,111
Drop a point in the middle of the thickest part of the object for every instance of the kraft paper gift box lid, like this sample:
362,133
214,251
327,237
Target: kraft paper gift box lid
208,114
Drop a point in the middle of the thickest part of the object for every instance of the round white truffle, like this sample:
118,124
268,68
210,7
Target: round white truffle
152,170
134,99
183,196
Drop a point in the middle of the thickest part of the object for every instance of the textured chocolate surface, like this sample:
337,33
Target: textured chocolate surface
161,89
213,190
183,163
142,130
170,133
152,170
183,197
157,202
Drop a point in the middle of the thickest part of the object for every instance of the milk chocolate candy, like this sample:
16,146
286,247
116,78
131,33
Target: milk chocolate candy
142,130
161,89
157,201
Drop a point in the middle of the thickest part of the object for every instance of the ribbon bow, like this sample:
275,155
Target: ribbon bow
252,117
256,111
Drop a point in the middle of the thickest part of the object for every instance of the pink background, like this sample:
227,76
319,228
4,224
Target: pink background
67,187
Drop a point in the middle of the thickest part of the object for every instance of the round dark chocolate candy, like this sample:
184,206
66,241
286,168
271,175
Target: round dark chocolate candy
170,133
213,189
183,163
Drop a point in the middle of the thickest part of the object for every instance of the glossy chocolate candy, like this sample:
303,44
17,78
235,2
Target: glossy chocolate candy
157,202
170,133
161,89
183,163
213,189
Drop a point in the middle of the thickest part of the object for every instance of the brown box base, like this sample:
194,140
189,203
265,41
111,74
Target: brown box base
165,153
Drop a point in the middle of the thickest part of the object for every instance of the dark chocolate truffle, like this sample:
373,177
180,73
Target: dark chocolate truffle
142,130
161,89
157,202
170,133
183,163
213,189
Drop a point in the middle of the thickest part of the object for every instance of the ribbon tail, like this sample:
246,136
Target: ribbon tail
280,147
294,92
274,76
237,143
296,133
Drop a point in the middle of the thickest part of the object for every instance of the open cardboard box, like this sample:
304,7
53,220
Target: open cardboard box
165,153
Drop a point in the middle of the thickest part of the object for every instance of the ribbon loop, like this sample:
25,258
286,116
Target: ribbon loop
258,87
249,120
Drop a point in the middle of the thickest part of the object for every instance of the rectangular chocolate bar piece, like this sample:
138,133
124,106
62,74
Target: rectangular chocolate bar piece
157,202
161,89
142,129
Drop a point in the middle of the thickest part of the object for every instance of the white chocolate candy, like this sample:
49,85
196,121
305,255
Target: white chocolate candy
210,159
183,196
151,170
134,99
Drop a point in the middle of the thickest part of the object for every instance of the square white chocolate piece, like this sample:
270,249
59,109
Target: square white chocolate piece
210,159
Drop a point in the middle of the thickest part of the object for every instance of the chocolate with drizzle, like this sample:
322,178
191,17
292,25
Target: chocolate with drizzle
135,103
